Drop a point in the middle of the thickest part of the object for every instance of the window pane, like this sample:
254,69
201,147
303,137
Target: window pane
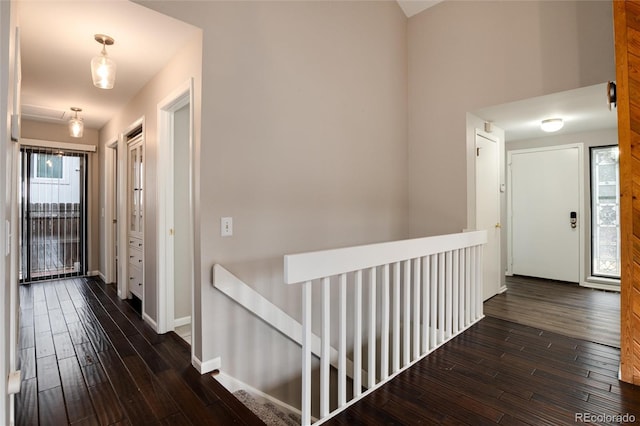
605,212
49,166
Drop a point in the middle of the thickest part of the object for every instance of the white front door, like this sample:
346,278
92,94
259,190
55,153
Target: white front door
488,210
545,192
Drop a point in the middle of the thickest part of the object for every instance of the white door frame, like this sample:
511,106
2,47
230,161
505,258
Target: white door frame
110,214
581,217
180,97
123,214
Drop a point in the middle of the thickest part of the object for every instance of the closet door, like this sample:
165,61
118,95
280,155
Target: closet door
135,179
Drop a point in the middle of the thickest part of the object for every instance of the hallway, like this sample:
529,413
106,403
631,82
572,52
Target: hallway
87,358
563,308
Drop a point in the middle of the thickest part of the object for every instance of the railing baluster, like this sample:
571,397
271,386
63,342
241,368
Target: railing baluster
416,307
371,359
456,291
474,283
448,294
384,349
396,317
480,285
342,342
467,286
462,275
406,317
306,353
425,303
325,356
441,280
434,301
357,336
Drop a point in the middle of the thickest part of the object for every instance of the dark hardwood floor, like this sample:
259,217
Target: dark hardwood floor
88,359
499,372
564,308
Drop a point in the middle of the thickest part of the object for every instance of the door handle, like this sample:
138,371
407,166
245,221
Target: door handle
573,219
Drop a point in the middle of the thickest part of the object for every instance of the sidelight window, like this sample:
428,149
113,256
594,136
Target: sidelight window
605,212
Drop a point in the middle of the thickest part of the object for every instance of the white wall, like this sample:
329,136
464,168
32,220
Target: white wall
304,145
8,207
465,55
602,137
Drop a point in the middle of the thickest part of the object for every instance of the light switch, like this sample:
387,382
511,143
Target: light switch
226,226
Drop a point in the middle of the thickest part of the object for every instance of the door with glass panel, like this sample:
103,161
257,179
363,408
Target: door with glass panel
52,214
135,184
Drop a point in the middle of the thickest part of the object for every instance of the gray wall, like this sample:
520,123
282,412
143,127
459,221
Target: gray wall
303,144
465,55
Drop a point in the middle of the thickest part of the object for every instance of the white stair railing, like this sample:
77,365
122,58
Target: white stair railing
417,294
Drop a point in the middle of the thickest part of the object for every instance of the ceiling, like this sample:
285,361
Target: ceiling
57,44
582,109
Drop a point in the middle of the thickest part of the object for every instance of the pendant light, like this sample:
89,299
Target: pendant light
103,68
76,124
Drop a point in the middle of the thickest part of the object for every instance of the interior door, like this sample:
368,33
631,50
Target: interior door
545,194
488,210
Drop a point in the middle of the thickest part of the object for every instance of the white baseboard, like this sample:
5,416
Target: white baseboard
96,274
206,366
150,321
232,384
181,321
502,289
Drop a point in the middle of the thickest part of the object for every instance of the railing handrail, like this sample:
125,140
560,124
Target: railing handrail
324,263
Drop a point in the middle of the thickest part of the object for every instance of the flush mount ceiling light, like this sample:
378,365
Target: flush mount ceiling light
551,124
103,68
76,124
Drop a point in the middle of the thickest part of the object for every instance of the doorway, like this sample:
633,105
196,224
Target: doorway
488,209
53,213
175,224
545,214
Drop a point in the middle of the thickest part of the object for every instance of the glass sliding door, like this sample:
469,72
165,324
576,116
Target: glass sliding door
605,212
53,214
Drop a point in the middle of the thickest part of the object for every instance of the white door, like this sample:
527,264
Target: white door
545,190
488,210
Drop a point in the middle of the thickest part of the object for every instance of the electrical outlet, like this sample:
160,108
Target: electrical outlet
226,226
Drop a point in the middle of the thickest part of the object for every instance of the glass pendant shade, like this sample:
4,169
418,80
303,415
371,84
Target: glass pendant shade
76,125
103,71
103,68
